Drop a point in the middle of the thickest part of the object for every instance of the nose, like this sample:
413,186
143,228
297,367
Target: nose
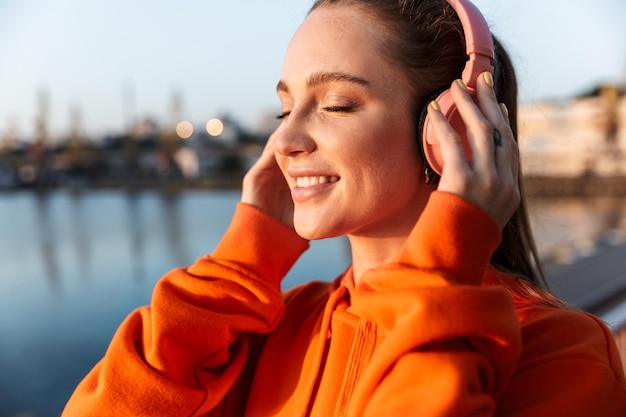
293,136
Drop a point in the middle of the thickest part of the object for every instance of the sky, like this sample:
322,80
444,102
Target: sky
113,60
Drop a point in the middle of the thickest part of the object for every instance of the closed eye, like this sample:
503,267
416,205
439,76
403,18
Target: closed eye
339,109
330,109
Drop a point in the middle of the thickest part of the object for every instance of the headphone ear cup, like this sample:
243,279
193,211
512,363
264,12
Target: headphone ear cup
431,175
430,142
421,121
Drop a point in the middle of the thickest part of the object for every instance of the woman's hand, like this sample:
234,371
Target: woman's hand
264,187
490,178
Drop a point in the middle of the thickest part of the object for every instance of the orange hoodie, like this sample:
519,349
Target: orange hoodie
436,333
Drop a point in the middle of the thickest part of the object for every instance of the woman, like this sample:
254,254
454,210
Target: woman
440,312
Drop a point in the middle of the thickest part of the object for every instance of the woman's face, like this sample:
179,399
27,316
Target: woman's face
346,144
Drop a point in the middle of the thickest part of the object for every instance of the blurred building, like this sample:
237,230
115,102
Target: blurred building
582,137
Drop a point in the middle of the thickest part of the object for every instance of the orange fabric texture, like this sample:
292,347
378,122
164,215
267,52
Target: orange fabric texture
438,332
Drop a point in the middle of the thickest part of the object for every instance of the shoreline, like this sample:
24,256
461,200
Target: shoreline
533,186
536,186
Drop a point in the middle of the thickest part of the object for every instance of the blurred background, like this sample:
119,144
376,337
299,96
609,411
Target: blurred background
126,127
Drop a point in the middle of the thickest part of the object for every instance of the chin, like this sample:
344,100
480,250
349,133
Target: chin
317,223
315,231
307,234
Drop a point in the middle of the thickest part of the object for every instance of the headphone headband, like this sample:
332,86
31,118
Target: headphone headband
480,53
478,40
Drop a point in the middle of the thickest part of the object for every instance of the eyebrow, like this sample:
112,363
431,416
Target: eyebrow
325,78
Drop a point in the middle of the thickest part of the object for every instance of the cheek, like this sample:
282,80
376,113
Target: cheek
393,149
386,174
396,164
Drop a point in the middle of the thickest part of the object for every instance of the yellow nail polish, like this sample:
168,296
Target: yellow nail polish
488,78
461,84
505,110
435,105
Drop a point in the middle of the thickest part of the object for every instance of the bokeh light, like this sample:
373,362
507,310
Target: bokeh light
184,129
214,127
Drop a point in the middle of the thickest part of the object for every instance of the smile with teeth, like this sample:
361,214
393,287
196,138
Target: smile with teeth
304,182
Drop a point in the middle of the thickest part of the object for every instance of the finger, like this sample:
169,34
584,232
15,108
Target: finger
515,157
268,155
479,129
515,162
505,146
488,103
449,141
264,165
507,158
269,145
505,112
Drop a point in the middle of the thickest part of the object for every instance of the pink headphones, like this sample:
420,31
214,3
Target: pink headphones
480,52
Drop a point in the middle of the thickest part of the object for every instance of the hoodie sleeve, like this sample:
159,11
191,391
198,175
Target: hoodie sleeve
448,346
570,366
182,354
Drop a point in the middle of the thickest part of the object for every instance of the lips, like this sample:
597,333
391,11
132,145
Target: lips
308,186
310,181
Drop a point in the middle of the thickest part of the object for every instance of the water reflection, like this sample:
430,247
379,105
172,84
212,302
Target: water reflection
61,219
47,239
173,227
136,232
81,234
567,229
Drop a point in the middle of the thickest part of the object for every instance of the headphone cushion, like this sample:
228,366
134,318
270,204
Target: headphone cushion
430,142
422,120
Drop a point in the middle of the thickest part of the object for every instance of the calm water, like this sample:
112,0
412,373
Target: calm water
73,265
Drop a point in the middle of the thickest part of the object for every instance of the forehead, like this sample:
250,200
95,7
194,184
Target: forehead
337,39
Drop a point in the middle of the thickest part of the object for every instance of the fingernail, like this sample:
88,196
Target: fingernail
435,105
461,84
488,78
505,110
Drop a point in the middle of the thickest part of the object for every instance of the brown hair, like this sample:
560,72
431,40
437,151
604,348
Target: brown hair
425,39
